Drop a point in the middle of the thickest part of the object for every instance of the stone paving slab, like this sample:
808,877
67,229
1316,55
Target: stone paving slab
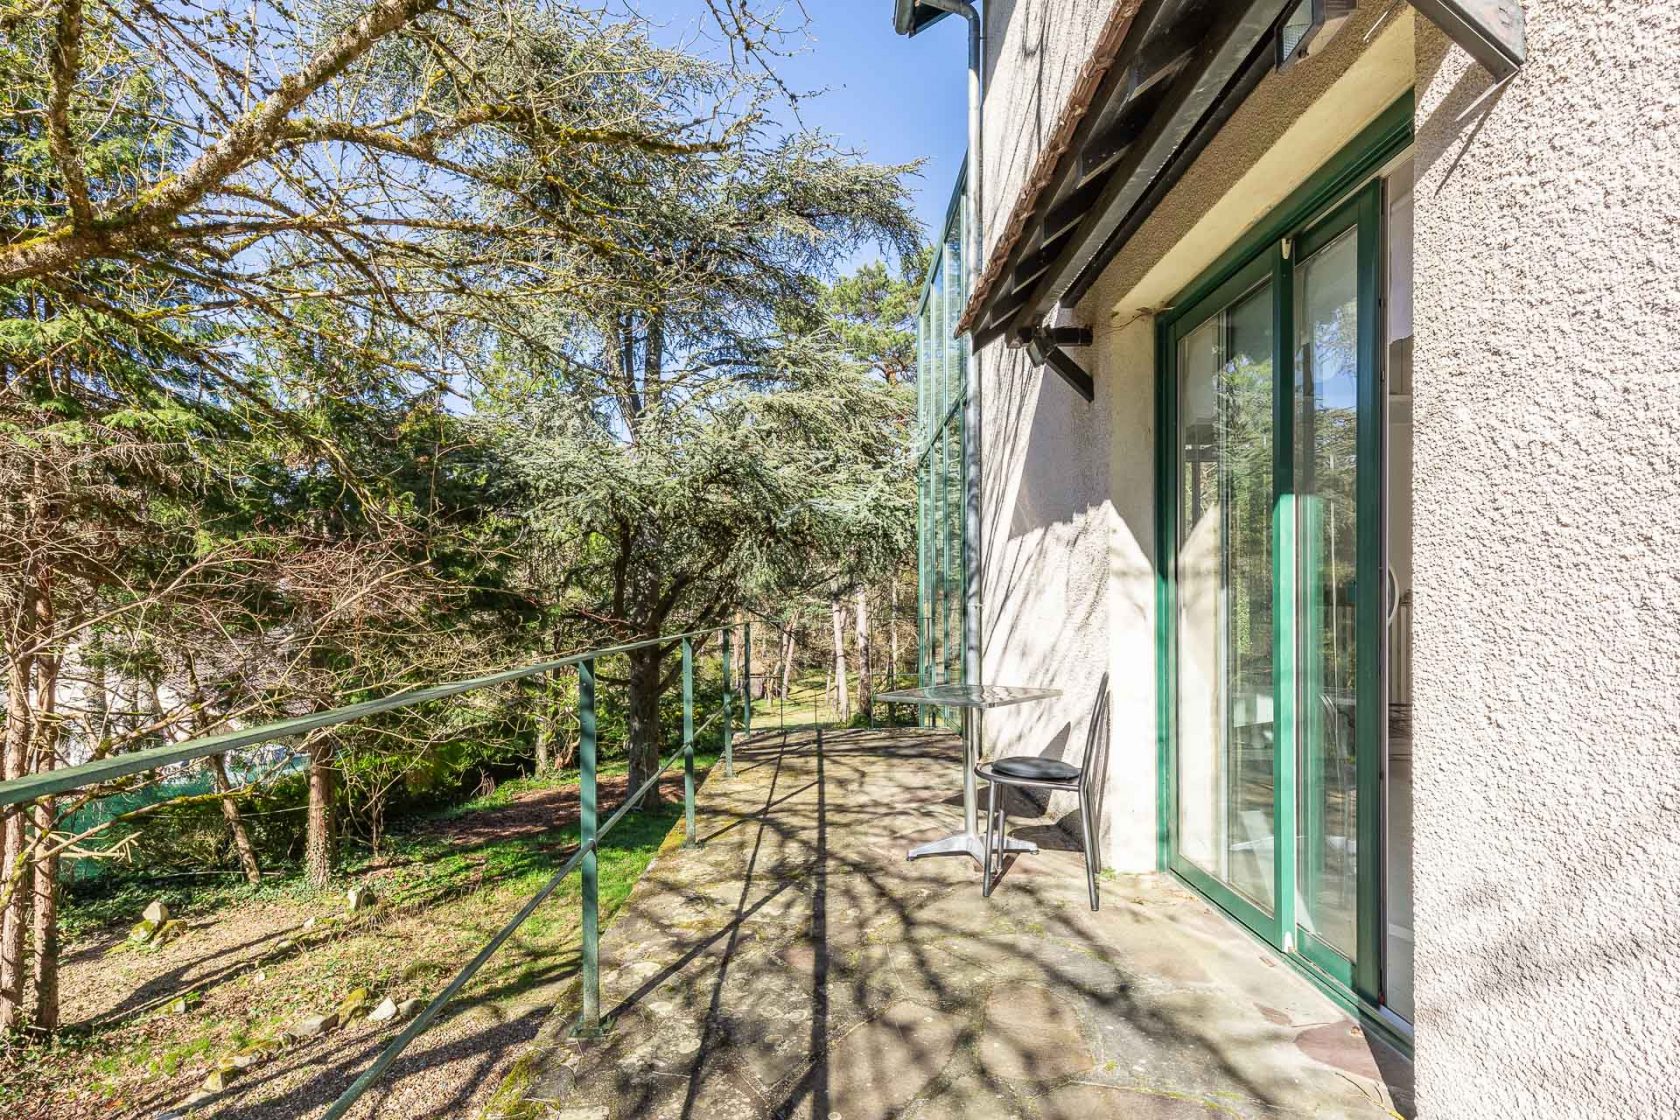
796,965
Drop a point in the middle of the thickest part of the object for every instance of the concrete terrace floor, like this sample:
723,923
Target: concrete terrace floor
796,965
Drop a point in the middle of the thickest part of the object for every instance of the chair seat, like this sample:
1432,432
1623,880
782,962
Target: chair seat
1032,769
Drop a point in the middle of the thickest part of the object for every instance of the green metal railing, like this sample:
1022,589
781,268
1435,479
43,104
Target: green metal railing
590,833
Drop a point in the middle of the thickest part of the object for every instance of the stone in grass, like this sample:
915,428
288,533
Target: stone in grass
179,1112
182,1003
409,1007
214,1081
169,931
386,1011
360,898
142,932
156,912
352,1004
313,1026
253,1052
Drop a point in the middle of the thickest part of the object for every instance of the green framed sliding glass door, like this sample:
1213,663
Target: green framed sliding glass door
1272,622
1226,694
1336,375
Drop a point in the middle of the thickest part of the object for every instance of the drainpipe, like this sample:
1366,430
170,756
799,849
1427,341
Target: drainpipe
972,256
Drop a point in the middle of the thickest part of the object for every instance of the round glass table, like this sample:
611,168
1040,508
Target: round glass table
970,699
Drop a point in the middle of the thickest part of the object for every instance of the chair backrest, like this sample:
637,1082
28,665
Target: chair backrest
1095,758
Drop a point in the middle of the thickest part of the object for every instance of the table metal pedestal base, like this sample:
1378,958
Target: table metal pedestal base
968,844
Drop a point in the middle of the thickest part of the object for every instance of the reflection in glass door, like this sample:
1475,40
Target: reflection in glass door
1335,363
1327,467
1224,558
1285,521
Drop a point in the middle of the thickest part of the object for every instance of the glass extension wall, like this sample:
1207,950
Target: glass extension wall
941,385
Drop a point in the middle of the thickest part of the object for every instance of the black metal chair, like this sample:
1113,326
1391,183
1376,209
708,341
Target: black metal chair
1054,775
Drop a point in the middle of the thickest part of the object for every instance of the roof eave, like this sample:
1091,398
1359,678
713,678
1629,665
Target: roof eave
911,18
1143,106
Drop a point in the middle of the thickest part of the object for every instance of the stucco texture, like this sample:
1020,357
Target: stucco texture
1547,582
1048,524
1069,490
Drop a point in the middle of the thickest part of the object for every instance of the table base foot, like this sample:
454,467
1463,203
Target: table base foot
968,844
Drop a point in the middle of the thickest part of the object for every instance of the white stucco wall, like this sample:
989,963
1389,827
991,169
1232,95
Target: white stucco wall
1547,580
1069,548
1034,51
1051,528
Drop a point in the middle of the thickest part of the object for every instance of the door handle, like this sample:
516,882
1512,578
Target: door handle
1393,595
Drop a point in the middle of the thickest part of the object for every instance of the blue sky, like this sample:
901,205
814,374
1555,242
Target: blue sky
894,99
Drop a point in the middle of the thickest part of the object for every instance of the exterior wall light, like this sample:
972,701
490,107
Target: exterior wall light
1308,26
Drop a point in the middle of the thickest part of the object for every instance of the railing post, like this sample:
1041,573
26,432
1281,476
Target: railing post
728,718
746,679
589,1022
688,740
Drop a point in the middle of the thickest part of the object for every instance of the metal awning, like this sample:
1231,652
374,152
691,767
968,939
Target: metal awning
910,17
1163,77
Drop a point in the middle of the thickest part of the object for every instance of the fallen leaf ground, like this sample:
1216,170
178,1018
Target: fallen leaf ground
251,963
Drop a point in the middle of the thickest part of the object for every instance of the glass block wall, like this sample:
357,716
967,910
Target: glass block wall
941,381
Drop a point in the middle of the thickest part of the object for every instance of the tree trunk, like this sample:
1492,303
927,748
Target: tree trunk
563,746
551,710
318,837
544,705
45,962
216,764
376,818
545,749
645,664
15,873
842,692
45,971
787,662
892,634
866,667
247,852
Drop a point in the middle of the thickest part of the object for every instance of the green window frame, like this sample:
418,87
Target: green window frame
1338,197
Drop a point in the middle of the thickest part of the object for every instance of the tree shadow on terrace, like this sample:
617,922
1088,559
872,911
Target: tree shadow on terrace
796,965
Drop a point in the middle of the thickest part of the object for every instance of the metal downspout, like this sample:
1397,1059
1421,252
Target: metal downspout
972,413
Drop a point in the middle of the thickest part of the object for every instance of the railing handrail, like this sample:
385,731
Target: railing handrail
36,786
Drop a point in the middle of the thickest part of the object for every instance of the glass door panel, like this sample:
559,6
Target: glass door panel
1326,480
1226,728
1286,692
